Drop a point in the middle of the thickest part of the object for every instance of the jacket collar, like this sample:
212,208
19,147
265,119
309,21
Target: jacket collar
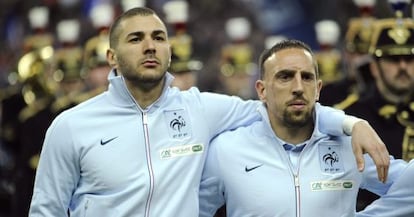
121,96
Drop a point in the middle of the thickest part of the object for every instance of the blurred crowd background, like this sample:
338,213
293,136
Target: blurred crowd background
52,57
206,24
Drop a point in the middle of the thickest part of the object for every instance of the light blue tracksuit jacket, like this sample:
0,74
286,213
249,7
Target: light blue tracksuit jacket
250,170
107,157
399,200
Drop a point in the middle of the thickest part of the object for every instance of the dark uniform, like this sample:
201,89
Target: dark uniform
358,80
46,95
31,120
392,41
31,86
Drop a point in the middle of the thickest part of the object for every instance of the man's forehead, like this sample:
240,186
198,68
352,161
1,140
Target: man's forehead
290,60
148,23
290,55
288,52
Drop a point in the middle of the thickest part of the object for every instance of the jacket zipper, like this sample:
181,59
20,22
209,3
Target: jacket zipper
297,194
296,182
149,163
296,177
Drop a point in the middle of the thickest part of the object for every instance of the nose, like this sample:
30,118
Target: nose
402,63
297,85
148,45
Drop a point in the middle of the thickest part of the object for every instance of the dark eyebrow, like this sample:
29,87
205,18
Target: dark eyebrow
157,32
140,34
308,73
135,34
290,72
285,71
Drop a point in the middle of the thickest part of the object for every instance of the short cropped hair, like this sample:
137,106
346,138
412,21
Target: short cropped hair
285,44
114,32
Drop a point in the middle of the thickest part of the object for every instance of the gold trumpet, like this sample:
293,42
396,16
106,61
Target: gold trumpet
34,74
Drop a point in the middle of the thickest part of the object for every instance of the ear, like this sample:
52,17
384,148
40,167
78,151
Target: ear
169,61
319,85
111,58
260,90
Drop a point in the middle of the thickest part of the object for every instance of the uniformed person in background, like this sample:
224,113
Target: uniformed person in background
63,82
40,36
185,72
357,81
390,108
27,84
183,66
33,120
29,76
328,56
96,68
67,69
238,72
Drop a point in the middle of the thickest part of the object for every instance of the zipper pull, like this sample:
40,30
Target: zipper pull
296,181
144,118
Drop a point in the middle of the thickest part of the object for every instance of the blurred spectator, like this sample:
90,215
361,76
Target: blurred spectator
328,56
238,72
390,107
183,66
95,67
358,80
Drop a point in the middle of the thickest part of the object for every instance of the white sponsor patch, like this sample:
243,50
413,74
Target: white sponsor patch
332,185
182,150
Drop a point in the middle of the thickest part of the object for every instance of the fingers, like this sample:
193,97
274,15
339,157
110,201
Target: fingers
383,169
381,159
365,139
359,158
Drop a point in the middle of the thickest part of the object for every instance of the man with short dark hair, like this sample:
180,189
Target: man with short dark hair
282,165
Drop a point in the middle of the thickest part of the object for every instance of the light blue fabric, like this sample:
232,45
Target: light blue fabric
399,200
250,171
109,157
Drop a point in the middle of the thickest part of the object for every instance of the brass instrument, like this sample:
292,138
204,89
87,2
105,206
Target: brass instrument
37,87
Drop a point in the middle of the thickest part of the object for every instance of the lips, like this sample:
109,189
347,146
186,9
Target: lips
297,103
150,63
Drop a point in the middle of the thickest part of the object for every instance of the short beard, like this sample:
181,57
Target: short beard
143,82
297,119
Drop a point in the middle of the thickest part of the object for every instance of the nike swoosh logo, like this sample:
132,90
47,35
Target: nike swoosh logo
252,168
104,142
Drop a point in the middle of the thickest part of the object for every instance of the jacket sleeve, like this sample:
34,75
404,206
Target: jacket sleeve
399,199
225,112
57,173
330,120
211,193
369,175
